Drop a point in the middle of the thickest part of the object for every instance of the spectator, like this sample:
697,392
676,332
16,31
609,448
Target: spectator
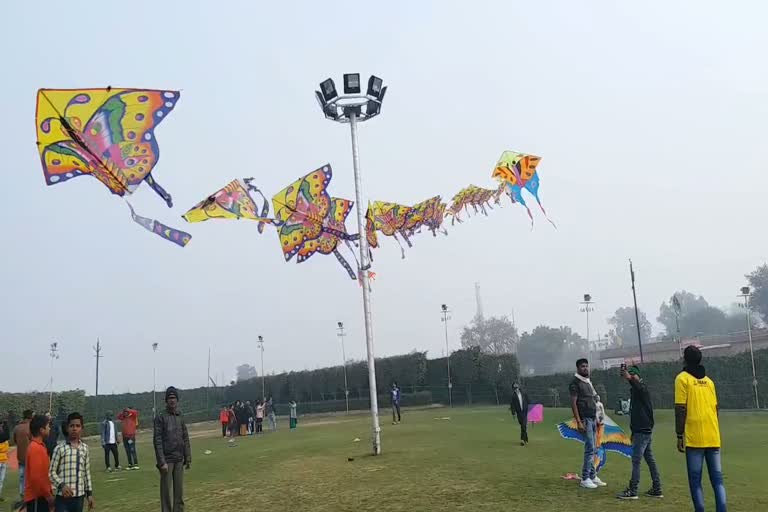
641,424
294,415
260,417
271,415
519,408
395,394
109,441
21,438
130,423
70,471
172,451
698,428
5,436
37,485
250,413
224,420
584,407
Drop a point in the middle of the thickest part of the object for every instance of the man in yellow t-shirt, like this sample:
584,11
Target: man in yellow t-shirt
698,428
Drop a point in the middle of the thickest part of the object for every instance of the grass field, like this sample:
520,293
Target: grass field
470,462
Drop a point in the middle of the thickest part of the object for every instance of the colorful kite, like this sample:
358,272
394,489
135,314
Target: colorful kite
518,172
610,438
231,202
429,214
390,219
108,134
476,197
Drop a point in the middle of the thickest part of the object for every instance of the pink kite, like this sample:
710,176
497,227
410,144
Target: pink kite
535,413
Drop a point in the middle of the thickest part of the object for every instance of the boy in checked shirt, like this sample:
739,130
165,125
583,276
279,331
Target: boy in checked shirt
70,471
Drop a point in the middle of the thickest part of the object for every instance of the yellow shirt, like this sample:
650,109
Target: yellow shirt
4,452
702,428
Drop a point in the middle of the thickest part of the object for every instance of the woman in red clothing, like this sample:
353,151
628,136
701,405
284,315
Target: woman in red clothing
224,419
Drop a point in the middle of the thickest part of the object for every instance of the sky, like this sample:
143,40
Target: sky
650,119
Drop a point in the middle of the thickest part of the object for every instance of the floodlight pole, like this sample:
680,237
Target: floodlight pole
344,363
445,319
745,295
263,382
365,265
587,309
154,380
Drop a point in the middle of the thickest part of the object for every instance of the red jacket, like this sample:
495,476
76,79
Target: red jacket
36,481
130,420
224,416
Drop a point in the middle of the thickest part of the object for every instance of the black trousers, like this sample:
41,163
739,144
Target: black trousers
38,505
111,448
523,428
223,430
69,504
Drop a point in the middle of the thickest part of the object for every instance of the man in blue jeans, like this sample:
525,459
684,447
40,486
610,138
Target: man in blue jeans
641,425
698,428
584,410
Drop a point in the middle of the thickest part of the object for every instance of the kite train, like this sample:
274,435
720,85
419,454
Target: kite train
108,134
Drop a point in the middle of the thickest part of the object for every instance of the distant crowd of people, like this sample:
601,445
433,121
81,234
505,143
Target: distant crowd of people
247,418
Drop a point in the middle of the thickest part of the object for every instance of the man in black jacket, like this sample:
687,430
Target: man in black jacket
519,408
641,425
173,453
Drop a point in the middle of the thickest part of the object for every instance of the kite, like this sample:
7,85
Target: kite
610,438
231,202
309,220
535,413
108,134
518,171
429,213
390,219
476,197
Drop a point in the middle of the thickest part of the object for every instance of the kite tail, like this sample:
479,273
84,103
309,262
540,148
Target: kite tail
344,264
264,204
159,190
545,213
180,238
402,250
407,240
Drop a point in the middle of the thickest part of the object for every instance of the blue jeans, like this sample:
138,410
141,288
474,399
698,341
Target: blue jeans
130,451
641,448
590,450
694,458
21,479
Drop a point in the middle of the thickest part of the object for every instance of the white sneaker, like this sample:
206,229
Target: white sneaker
599,482
588,484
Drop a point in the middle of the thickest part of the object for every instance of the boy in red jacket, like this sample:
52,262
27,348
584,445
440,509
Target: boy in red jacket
130,421
37,486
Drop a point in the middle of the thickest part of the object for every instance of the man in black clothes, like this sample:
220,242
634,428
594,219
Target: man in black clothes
641,425
519,408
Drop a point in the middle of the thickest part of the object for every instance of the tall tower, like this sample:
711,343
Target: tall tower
479,313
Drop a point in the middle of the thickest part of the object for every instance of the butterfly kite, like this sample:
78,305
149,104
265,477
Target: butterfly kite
108,134
518,171
389,219
476,197
308,220
610,438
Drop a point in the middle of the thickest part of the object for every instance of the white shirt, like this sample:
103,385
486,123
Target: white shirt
111,437
520,399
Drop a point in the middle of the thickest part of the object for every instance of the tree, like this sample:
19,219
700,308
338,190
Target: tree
548,349
689,304
623,322
710,321
495,335
245,372
758,280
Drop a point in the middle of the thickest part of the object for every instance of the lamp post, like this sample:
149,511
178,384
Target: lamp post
154,380
54,354
344,362
353,107
260,343
445,312
745,295
586,307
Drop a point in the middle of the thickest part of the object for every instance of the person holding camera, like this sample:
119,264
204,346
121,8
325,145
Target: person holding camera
641,426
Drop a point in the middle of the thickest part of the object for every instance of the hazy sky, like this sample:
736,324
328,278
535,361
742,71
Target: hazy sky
650,118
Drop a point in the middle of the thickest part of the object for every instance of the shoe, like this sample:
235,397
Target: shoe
109,470
655,493
628,494
599,482
135,468
522,443
118,468
588,484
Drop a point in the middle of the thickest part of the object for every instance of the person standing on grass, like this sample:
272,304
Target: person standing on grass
698,428
70,471
224,420
5,436
173,452
641,425
250,413
129,419
271,414
584,409
294,418
519,408
395,394
260,417
109,441
37,485
21,438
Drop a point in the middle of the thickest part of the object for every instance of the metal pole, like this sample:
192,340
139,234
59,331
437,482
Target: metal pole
208,381
263,382
448,359
637,314
97,348
751,351
344,364
154,380
365,265
589,343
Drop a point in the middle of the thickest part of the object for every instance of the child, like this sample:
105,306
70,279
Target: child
5,436
294,416
37,486
70,471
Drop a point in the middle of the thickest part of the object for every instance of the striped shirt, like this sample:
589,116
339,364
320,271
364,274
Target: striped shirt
71,467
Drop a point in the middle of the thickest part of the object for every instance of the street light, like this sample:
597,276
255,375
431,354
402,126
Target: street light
445,312
353,108
154,380
54,354
745,295
260,343
344,362
587,309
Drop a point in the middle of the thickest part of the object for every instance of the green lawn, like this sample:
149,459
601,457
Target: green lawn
471,462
